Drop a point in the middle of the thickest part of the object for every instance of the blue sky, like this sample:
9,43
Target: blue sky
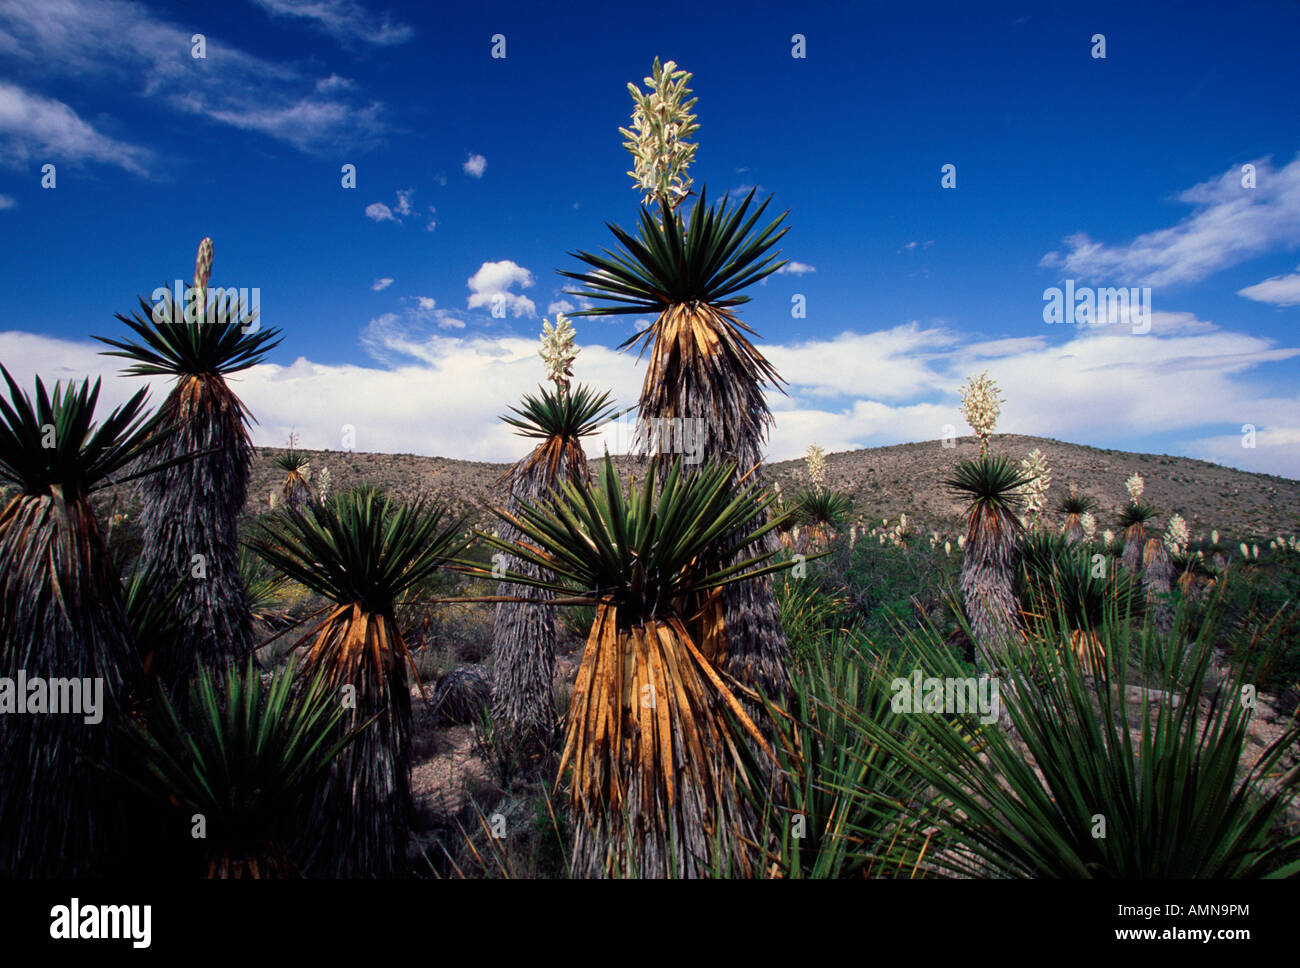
477,175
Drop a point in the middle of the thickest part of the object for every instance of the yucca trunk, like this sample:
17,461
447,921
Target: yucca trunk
296,492
694,375
362,821
987,575
1157,581
1135,537
190,524
61,617
523,634
1073,529
657,776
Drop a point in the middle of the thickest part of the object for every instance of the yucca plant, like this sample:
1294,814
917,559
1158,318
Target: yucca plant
1074,505
1110,787
151,612
263,585
61,617
989,562
361,551
523,633
295,464
822,512
657,740
1133,518
246,757
190,514
1157,580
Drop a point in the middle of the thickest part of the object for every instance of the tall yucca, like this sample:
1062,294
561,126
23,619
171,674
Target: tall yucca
657,739
989,564
1133,518
190,514
523,634
689,275
295,488
61,617
361,551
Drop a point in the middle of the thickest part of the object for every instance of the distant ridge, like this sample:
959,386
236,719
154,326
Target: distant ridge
887,481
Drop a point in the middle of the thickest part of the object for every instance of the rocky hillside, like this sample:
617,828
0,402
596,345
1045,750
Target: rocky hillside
887,481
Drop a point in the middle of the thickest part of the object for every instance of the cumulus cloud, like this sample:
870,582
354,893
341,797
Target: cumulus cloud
1278,290
426,303
474,166
1182,388
559,306
793,268
491,287
380,212
381,284
1229,224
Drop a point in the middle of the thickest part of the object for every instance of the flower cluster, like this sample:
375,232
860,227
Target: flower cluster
816,463
1135,486
1089,525
661,123
980,405
1176,534
1035,491
323,484
558,349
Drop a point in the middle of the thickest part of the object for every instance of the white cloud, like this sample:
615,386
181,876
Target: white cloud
342,19
793,268
35,128
433,222
7,201
1185,387
474,166
1278,290
403,206
1229,224
560,306
491,286
65,39
426,303
381,284
380,212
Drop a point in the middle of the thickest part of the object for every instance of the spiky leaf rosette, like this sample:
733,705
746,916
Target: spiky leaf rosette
361,551
656,738
1073,506
523,633
821,512
989,562
246,756
61,617
189,520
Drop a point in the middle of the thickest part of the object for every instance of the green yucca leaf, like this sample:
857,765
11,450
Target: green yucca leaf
171,345
291,461
55,441
564,412
820,507
670,261
1075,503
989,481
658,543
359,546
1135,513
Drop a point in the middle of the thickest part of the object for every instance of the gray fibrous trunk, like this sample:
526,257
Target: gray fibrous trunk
523,633
1073,530
987,576
190,525
52,803
1157,581
1135,537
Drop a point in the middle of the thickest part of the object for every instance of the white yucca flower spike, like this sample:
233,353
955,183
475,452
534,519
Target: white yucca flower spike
980,405
1034,493
1254,551
961,541
1214,537
816,463
558,349
1107,536
1176,534
323,483
1135,486
661,123
853,536
1245,552
947,547
1089,525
